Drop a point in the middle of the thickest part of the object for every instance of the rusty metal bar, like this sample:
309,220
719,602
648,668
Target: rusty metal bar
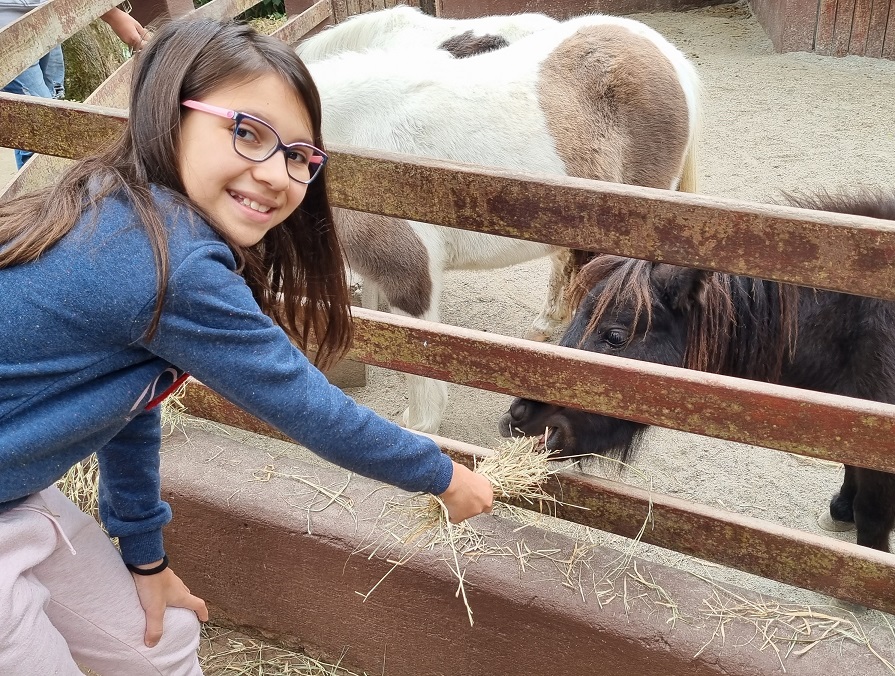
301,24
24,41
824,250
829,566
812,248
843,429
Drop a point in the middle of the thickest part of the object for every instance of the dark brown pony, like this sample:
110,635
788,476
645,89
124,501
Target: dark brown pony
738,326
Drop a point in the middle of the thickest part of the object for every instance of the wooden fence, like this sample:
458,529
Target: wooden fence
825,250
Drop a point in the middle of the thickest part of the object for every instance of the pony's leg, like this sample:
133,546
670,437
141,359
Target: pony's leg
555,310
874,507
839,517
841,505
426,397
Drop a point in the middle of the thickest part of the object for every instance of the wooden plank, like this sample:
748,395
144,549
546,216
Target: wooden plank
28,38
844,570
876,34
340,11
799,25
224,9
889,41
298,26
860,27
46,125
826,23
845,10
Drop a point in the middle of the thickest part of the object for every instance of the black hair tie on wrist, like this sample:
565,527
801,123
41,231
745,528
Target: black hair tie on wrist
148,571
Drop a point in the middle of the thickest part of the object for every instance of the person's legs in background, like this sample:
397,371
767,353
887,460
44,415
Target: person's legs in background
53,67
33,82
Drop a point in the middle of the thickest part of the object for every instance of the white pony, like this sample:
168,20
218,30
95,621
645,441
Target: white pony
405,27
597,97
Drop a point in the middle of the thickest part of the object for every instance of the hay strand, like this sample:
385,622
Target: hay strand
80,484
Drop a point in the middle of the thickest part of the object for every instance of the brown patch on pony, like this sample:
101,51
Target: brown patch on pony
387,252
621,115
468,44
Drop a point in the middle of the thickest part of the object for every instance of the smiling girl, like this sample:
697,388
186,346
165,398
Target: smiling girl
163,255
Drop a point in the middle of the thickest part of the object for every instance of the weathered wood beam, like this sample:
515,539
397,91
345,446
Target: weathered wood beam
301,24
47,125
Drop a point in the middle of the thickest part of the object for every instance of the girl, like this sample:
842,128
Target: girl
166,254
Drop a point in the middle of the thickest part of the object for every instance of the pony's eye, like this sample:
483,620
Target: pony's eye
616,337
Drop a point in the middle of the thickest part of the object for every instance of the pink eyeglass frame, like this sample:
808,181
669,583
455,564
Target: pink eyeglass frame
319,158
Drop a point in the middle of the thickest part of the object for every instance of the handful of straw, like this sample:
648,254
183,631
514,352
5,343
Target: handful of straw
515,471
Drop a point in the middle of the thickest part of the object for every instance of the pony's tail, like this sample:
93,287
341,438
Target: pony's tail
689,176
693,92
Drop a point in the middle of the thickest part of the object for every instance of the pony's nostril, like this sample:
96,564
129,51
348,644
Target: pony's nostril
518,409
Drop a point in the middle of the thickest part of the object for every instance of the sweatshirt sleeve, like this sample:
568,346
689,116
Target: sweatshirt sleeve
130,503
212,327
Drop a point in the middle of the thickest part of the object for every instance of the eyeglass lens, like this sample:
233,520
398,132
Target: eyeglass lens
257,141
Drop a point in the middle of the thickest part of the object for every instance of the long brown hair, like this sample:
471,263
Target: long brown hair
296,272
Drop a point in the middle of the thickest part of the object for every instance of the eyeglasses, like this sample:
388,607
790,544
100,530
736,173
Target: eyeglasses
257,141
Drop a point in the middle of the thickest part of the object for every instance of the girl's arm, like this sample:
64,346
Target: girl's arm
130,503
126,27
213,328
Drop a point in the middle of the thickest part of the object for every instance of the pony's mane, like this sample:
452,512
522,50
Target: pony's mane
735,325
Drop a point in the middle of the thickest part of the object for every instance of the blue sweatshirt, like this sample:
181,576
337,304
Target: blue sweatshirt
76,373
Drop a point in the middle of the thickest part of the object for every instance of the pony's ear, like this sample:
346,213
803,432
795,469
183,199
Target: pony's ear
683,288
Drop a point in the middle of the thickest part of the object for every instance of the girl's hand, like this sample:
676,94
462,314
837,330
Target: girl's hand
127,28
159,591
467,495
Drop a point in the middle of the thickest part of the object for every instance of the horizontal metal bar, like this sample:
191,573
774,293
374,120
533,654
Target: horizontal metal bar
853,254
843,429
847,571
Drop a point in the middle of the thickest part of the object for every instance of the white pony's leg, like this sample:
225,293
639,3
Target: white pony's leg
555,310
427,398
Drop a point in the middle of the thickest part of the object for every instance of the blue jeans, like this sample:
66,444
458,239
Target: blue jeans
46,79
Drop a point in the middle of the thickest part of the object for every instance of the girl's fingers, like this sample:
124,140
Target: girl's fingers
155,624
197,605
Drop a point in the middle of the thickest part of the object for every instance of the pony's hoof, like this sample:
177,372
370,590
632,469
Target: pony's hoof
828,523
537,334
427,426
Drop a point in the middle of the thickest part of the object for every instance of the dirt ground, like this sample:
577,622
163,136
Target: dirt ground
772,122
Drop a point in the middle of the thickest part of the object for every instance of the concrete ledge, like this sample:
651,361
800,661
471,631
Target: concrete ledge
262,557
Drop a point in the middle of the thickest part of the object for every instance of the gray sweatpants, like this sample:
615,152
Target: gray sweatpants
67,599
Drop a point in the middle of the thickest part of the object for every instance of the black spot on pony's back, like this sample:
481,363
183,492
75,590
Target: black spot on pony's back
468,44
